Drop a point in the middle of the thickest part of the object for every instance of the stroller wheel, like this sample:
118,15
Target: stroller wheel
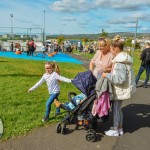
58,128
63,130
91,137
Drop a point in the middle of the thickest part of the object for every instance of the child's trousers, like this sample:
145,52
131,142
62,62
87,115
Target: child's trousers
117,114
49,102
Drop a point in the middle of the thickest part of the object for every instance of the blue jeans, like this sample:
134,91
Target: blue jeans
49,102
142,68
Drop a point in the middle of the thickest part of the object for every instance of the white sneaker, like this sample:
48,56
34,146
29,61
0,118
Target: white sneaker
112,133
120,131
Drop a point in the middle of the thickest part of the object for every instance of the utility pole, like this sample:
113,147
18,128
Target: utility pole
11,15
30,32
135,37
44,28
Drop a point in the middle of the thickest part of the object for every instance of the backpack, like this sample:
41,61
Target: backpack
147,58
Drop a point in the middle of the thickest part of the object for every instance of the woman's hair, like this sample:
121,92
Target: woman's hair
54,66
117,38
117,43
147,45
105,40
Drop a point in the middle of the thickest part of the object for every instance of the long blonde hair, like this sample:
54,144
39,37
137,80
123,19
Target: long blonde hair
54,66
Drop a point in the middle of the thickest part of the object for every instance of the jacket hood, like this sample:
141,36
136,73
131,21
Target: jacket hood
123,57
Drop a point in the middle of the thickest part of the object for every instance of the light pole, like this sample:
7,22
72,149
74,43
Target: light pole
44,28
27,34
30,32
11,15
135,37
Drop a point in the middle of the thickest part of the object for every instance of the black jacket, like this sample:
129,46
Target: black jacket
143,56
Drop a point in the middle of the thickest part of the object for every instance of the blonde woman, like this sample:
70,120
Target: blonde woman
102,60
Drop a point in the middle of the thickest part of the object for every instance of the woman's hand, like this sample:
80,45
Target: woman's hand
104,75
104,69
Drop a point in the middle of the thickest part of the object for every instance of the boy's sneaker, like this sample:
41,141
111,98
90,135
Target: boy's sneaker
45,119
112,133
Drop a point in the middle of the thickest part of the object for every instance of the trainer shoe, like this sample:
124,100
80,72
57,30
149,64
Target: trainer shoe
145,86
45,119
112,133
120,131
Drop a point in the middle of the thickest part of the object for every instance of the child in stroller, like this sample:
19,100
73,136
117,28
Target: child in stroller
80,106
74,101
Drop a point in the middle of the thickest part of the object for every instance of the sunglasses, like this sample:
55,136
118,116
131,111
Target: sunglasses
102,39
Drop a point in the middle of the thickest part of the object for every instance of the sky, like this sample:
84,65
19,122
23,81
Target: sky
74,16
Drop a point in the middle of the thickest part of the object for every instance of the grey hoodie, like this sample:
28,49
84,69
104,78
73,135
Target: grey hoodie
122,76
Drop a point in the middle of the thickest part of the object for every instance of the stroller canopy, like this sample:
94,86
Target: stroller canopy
85,82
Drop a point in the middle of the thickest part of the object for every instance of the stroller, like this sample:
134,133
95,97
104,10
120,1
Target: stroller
81,114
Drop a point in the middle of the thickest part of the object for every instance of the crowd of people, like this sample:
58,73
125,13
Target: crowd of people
111,62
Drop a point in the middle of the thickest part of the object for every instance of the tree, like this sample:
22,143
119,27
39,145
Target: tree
85,40
104,34
60,39
128,42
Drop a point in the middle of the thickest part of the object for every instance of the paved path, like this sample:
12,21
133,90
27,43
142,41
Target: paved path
136,126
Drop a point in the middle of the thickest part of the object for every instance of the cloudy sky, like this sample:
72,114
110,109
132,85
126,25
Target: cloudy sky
75,16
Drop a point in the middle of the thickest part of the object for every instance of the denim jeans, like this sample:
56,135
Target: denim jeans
49,102
142,68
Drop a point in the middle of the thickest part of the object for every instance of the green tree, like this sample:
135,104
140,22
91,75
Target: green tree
128,42
85,40
137,45
60,39
104,34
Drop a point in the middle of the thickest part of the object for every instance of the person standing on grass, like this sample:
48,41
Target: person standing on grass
12,47
145,65
52,78
43,49
27,47
123,81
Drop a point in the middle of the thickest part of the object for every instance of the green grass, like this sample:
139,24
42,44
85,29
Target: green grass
86,55
22,112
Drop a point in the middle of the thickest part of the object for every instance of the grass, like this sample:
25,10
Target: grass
22,112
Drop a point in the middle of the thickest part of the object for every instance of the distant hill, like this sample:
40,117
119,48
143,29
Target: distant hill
96,36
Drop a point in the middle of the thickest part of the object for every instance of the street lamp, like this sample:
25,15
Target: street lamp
135,38
44,28
11,15
30,32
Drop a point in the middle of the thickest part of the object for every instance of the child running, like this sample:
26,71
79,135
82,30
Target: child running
52,78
